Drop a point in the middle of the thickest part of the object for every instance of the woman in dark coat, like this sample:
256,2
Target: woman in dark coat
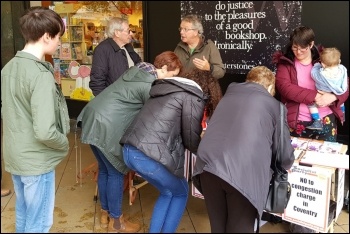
103,122
154,143
234,156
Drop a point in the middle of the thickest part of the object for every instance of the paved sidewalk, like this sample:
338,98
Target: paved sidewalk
76,210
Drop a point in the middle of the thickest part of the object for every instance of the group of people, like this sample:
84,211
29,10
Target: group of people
145,115
143,120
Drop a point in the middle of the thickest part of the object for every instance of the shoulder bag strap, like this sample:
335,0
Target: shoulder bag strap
281,146
276,157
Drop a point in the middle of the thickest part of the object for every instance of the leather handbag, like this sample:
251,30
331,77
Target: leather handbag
279,188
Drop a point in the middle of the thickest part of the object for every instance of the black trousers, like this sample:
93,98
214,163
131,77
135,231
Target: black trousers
229,211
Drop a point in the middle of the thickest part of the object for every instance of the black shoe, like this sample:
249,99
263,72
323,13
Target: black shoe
316,125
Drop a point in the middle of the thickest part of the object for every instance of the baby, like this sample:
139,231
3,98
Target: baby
329,76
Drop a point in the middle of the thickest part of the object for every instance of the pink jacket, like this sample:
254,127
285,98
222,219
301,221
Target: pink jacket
292,94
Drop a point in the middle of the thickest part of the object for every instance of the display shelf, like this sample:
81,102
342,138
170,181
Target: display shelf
72,48
72,41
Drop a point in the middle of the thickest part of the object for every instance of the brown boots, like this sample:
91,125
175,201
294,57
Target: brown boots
122,225
104,218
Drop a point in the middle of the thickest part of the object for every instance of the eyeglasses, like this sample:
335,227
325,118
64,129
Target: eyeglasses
186,29
295,48
126,30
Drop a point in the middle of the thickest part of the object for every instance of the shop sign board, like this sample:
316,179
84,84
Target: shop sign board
311,193
248,29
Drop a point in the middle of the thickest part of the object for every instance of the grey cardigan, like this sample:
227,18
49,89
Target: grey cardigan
240,140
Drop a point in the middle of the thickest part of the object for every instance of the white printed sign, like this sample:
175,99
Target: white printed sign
325,159
309,202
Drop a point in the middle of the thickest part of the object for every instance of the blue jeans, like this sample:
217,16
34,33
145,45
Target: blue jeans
171,203
35,200
110,184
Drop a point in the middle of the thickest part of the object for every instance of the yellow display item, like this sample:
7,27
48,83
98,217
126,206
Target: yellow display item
81,94
81,75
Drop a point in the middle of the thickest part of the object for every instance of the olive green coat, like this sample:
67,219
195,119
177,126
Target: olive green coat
105,118
205,48
35,117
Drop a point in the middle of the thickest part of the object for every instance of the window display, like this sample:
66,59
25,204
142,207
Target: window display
85,23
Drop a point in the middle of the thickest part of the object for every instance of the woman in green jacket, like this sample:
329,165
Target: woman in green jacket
104,120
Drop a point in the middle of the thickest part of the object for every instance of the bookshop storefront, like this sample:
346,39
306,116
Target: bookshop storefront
85,23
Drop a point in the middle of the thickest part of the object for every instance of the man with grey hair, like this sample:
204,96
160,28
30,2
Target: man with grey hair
195,51
113,56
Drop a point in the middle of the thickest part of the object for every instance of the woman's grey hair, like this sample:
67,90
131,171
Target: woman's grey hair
196,22
115,23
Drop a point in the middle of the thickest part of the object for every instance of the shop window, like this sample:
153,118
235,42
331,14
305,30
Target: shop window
85,23
91,17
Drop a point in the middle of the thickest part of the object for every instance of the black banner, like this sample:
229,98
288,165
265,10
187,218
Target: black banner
246,33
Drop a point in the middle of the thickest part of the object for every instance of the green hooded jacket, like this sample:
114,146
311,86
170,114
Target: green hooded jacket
105,118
